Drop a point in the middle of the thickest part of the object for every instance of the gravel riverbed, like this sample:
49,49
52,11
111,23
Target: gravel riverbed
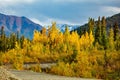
11,74
29,75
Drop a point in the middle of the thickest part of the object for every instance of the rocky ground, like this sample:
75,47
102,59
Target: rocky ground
6,75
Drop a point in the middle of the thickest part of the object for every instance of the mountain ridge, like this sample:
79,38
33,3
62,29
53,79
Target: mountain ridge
25,26
12,24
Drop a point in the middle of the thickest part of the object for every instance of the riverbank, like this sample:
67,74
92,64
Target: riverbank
30,75
12,74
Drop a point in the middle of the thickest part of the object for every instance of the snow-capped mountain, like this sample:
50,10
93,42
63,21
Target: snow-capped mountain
62,27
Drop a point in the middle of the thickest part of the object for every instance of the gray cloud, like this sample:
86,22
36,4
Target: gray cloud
61,11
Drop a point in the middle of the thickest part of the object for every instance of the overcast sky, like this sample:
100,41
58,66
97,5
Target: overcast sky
75,12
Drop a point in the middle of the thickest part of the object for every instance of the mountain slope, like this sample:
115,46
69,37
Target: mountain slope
22,24
109,21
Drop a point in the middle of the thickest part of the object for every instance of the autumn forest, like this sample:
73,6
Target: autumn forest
94,53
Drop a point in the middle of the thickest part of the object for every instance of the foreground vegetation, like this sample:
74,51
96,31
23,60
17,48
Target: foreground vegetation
95,53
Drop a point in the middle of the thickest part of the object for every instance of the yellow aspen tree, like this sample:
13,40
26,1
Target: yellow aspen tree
66,35
26,43
43,36
111,39
84,41
53,32
17,46
74,40
60,38
36,36
91,38
83,66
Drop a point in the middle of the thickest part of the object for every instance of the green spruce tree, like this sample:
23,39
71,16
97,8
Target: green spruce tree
103,33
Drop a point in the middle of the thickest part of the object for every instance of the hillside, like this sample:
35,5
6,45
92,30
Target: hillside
22,24
109,21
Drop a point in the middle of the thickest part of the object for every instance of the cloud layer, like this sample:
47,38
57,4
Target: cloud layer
14,2
61,11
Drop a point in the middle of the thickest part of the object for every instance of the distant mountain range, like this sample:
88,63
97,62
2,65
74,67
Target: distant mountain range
62,27
110,21
26,27
22,24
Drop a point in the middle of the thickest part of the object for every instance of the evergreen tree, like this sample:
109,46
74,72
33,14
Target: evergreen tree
116,31
17,35
103,26
98,32
3,45
90,25
13,39
21,41
103,33
116,36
